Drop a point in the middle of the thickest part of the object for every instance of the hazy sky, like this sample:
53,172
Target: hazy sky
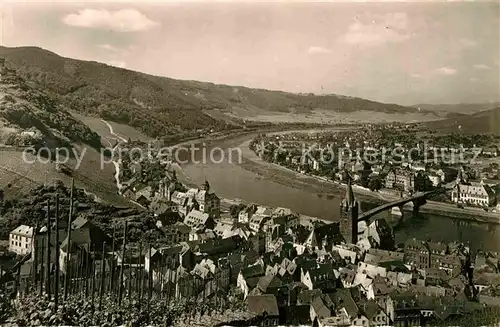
405,53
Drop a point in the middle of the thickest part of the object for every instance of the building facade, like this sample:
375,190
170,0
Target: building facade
21,240
401,179
475,194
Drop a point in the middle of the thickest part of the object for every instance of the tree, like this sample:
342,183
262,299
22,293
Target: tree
235,209
6,307
374,184
422,183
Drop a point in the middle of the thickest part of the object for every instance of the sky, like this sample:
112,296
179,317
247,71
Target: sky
406,53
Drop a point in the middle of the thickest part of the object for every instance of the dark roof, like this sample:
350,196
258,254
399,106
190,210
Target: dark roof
261,304
79,222
271,259
251,256
319,305
88,236
235,259
330,233
79,238
381,288
177,227
267,281
253,271
305,262
215,246
160,207
252,282
307,296
370,308
343,299
171,250
347,275
491,279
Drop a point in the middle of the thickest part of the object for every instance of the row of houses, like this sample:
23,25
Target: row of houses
290,270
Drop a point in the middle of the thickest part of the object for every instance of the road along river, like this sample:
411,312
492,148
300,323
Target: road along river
255,181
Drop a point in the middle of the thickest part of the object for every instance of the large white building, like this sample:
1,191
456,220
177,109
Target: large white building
21,240
476,194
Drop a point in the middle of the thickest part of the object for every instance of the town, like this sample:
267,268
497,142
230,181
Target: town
249,163
399,160
265,266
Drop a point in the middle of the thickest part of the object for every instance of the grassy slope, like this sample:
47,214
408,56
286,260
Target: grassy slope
461,108
108,139
22,176
487,121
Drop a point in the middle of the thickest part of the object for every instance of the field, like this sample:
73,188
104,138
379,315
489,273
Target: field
127,131
108,139
97,126
327,117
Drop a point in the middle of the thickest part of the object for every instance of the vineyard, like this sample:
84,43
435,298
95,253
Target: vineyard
112,281
17,176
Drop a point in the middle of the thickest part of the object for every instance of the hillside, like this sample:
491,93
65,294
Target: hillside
32,117
461,108
160,106
487,121
29,116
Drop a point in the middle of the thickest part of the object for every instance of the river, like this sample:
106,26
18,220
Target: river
263,184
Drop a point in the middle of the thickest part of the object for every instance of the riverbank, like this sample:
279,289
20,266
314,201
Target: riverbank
431,207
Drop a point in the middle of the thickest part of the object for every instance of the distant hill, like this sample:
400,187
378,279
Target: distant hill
160,106
461,108
487,121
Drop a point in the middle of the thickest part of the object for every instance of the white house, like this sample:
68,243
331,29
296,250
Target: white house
315,164
346,254
21,240
372,270
435,179
476,194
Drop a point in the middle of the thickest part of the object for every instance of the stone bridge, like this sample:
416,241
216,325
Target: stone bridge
418,199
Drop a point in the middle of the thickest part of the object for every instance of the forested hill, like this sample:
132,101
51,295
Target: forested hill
29,116
160,106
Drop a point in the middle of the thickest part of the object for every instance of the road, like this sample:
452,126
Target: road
112,131
116,163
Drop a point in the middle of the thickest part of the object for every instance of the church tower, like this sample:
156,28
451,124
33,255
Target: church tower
206,186
349,211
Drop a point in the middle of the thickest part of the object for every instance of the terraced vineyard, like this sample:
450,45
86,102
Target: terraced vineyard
13,183
18,175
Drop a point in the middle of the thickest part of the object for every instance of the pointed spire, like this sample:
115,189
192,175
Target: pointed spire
349,196
206,186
